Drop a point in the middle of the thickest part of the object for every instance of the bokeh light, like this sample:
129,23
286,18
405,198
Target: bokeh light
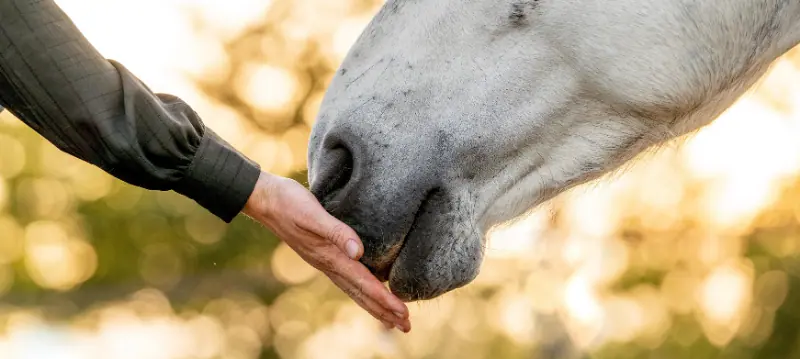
693,251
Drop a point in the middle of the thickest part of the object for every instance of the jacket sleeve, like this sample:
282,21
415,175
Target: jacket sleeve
56,82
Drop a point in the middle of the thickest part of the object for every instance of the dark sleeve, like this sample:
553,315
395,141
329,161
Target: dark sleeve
95,109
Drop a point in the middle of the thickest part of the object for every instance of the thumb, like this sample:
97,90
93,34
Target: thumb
340,235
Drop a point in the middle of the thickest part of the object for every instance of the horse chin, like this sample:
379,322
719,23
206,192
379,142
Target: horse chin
439,253
413,278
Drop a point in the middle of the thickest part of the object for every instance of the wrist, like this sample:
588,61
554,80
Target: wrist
257,206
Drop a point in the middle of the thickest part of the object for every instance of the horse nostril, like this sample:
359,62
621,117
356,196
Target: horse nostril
333,173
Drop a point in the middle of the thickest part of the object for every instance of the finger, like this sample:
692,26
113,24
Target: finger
328,227
370,305
358,283
330,260
387,325
360,277
353,275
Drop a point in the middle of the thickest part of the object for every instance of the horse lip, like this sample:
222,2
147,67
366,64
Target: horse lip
381,267
384,273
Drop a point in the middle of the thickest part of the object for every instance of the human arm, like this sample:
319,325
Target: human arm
56,82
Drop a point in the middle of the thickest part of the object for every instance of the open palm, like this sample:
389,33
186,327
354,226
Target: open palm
297,218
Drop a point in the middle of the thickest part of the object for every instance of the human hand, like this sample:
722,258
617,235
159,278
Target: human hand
297,218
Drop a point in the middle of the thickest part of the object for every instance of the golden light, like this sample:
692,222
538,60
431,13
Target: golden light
292,307
207,333
268,88
123,335
284,159
657,190
312,19
296,138
3,194
167,32
224,20
726,292
464,323
517,319
12,155
206,58
290,336
204,228
606,263
242,343
591,211
545,291
628,318
7,120
46,198
348,339
771,289
264,150
226,123
678,290
6,279
347,33
122,198
657,321
150,302
55,260
432,315
581,301
517,239
560,261
288,267
746,174
11,248
311,109
87,182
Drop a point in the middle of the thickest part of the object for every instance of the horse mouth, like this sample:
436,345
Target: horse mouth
388,259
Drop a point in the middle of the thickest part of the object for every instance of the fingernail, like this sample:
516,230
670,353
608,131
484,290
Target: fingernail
352,249
399,328
399,315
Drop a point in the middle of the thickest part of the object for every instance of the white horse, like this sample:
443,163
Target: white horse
449,116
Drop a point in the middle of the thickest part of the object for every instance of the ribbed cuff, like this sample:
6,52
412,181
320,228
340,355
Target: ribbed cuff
220,178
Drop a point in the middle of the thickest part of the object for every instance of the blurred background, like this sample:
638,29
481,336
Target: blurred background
693,252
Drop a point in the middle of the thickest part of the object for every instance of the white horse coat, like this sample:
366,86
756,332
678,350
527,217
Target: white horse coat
448,116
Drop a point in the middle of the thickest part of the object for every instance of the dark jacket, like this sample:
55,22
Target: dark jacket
52,79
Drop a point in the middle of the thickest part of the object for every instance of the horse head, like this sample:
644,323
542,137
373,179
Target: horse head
448,117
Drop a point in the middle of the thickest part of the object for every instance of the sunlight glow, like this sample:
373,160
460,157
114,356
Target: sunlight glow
581,301
54,260
518,238
289,268
12,155
725,293
268,88
10,247
346,35
574,261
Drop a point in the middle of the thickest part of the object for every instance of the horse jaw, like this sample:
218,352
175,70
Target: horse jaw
462,115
